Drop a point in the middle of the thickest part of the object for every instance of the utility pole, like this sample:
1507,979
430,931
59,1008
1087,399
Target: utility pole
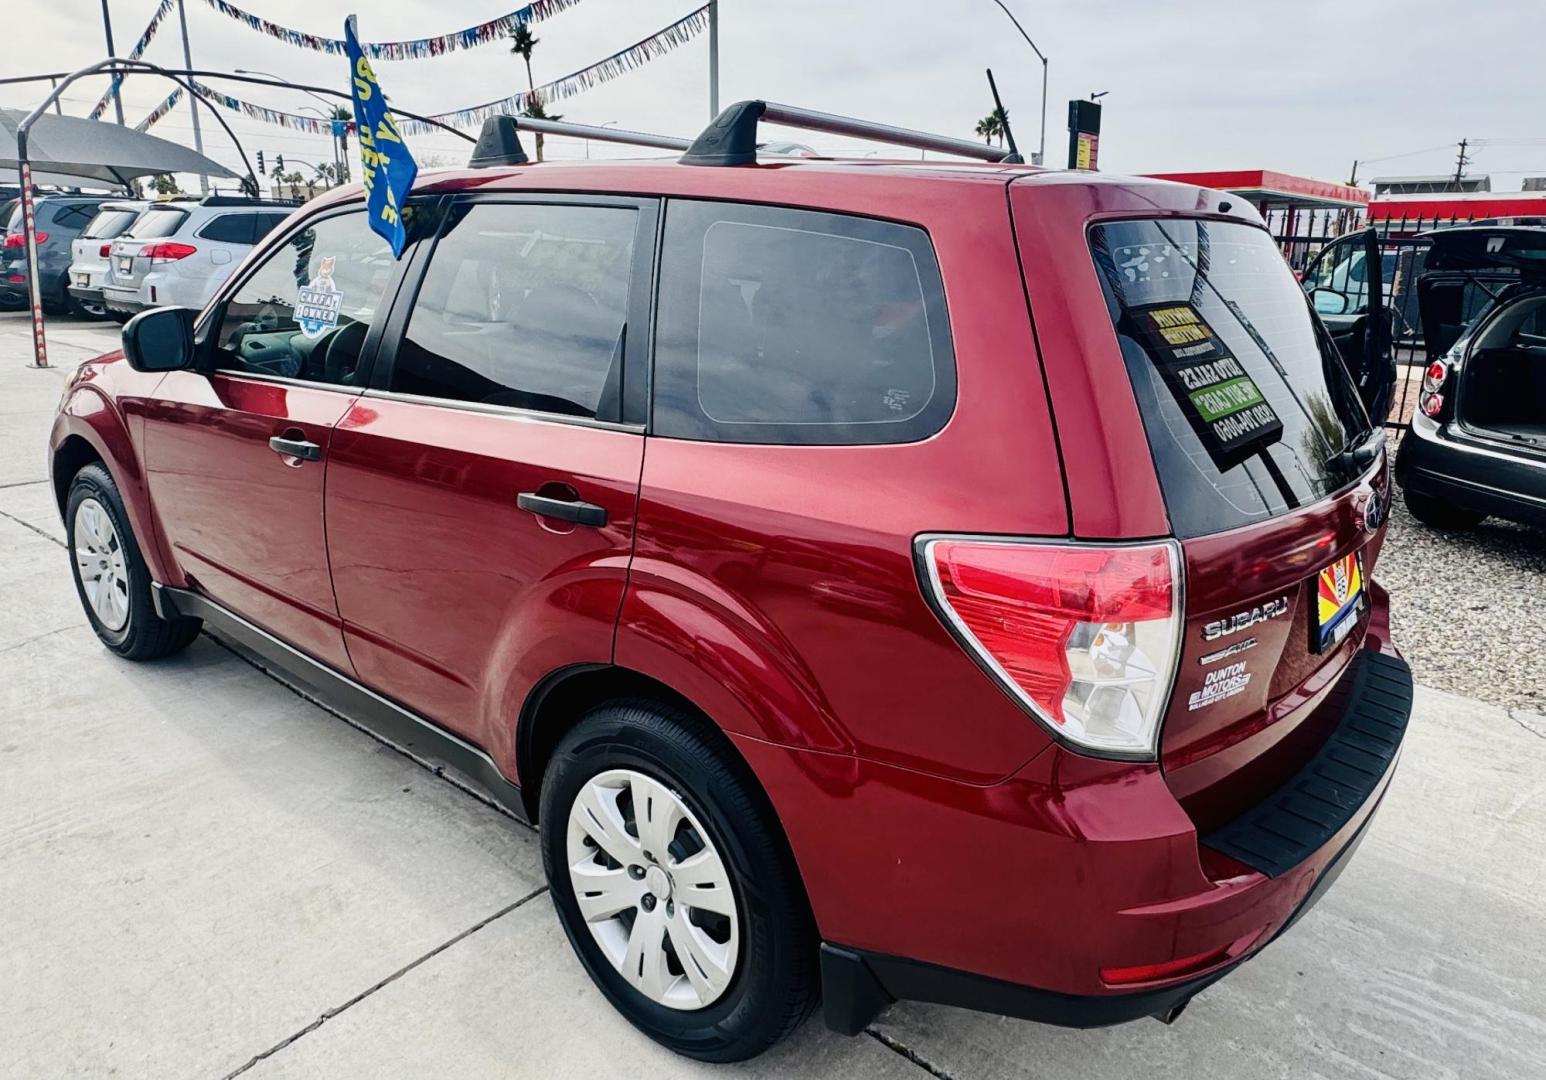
1039,158
1461,164
107,28
1352,180
193,106
713,58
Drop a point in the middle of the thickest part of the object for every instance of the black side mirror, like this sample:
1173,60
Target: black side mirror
160,339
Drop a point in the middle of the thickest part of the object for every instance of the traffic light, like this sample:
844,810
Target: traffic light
261,170
279,165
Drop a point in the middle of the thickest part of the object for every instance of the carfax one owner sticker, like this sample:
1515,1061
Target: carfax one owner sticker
318,303
1220,399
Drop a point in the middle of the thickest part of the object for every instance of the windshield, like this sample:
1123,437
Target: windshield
1245,401
155,223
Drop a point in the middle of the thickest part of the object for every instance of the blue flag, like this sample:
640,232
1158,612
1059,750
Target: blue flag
387,168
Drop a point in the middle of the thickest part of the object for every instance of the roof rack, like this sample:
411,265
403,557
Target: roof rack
499,143
731,138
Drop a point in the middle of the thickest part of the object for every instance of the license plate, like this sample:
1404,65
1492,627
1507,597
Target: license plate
1338,599
125,264
81,280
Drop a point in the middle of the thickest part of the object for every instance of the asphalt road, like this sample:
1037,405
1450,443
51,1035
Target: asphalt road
204,875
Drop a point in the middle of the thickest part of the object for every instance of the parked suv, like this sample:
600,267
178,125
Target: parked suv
178,253
1477,442
57,221
90,251
880,580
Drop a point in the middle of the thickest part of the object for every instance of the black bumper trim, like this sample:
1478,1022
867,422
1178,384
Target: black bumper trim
1316,803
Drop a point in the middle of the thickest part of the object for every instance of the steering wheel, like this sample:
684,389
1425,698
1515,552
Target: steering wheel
341,354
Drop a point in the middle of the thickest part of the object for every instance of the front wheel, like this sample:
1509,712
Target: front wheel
673,883
1440,514
111,577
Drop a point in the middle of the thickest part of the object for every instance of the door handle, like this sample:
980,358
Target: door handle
581,513
301,449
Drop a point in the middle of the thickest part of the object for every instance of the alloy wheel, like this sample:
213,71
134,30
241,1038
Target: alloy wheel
653,889
99,560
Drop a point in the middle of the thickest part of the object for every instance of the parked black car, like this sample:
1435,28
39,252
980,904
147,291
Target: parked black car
59,219
1477,442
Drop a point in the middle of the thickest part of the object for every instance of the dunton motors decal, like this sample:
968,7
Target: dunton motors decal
1224,682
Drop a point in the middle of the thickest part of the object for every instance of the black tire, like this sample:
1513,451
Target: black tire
1439,514
144,635
774,985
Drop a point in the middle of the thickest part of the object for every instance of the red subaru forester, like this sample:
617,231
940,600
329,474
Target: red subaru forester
881,580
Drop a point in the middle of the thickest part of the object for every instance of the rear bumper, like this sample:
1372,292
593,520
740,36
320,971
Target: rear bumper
856,985
1076,892
1484,478
126,300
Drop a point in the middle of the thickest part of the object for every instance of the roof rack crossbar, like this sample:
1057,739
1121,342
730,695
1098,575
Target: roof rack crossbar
499,143
731,138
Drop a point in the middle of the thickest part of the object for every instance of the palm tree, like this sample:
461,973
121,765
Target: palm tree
522,42
341,113
993,126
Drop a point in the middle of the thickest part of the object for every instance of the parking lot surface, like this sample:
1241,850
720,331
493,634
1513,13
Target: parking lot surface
203,874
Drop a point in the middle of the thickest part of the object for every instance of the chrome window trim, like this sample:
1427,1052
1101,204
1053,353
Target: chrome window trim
509,412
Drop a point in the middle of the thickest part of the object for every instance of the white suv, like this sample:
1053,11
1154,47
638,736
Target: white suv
176,254
90,251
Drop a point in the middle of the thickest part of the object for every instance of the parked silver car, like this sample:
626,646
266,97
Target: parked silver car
90,251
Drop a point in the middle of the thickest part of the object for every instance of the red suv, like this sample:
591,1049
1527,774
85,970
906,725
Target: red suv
925,580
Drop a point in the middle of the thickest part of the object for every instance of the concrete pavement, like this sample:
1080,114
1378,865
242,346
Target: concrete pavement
204,875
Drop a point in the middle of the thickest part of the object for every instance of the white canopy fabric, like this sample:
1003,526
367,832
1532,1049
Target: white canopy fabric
68,146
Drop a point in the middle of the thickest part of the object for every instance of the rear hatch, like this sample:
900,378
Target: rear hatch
91,250
1273,480
132,253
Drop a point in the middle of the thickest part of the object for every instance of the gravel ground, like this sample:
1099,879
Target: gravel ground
1469,608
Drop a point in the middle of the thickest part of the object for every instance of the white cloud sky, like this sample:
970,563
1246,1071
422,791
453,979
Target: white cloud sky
1305,87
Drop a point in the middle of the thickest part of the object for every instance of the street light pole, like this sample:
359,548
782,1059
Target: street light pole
713,58
193,106
107,28
1041,154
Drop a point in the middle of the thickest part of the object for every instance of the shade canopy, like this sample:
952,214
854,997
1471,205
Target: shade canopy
68,146
10,178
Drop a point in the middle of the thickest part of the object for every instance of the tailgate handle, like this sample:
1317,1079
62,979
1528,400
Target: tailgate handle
581,513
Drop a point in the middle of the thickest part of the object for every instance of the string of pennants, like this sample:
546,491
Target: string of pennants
134,54
415,49
160,110
619,63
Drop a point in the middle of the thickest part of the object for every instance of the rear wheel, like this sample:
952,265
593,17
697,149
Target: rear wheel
1438,513
673,884
111,577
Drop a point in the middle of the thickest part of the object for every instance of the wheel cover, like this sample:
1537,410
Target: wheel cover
99,562
653,889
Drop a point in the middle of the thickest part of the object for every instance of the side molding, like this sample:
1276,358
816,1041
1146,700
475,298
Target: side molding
404,729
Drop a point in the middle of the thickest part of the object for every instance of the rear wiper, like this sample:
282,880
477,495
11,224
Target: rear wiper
1355,460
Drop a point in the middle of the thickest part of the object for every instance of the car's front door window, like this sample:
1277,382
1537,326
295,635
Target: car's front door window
304,313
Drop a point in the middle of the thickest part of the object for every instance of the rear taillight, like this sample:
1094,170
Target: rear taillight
1430,400
105,250
167,251
19,240
1083,636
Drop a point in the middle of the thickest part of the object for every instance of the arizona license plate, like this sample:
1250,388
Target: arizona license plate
1338,598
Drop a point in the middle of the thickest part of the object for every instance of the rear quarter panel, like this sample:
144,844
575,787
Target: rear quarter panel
775,585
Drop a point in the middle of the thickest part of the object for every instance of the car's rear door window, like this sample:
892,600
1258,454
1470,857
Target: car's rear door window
793,326
523,305
1247,406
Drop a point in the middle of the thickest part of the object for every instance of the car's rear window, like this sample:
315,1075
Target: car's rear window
1246,403
108,224
154,224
